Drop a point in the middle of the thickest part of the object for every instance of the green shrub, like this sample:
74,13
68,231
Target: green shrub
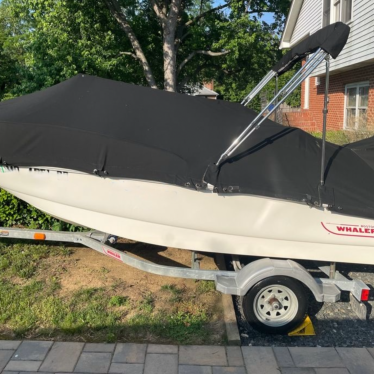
15,212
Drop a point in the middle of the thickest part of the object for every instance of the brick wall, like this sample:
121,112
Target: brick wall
209,85
312,119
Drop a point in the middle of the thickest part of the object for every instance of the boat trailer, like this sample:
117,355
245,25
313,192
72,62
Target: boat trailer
240,282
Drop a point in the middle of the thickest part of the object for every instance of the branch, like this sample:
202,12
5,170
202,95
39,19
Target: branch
184,36
173,14
213,54
248,6
261,11
117,13
159,13
129,54
202,15
208,53
179,36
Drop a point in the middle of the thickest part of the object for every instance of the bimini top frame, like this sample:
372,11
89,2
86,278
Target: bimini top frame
319,46
286,91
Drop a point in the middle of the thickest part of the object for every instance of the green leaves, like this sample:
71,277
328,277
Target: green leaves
52,40
254,51
15,212
43,42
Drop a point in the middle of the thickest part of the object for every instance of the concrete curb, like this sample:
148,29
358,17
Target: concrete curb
232,330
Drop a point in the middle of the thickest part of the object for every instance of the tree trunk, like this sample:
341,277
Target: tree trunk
169,27
169,20
170,60
117,13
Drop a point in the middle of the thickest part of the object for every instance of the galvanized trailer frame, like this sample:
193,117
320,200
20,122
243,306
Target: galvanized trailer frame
228,282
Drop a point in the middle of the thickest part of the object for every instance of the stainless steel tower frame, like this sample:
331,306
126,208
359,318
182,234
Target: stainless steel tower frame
278,99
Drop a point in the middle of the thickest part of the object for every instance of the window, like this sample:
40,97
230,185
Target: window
356,104
326,12
346,11
341,11
337,11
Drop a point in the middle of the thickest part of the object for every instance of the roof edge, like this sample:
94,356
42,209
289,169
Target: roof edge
292,17
208,91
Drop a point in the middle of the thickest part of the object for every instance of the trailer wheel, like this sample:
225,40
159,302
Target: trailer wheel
276,305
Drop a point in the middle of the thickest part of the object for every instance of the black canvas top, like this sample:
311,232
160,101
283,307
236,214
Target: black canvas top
331,39
364,149
116,129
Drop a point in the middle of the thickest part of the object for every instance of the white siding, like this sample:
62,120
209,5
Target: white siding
360,46
309,20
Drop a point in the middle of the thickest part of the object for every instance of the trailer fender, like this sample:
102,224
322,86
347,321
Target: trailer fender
258,270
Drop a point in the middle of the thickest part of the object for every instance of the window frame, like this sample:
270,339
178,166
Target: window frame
356,85
323,13
333,4
342,11
306,93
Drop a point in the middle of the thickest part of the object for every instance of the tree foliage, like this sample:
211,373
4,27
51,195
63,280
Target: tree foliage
54,40
43,42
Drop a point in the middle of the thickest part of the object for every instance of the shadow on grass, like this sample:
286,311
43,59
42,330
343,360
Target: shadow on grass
149,252
34,310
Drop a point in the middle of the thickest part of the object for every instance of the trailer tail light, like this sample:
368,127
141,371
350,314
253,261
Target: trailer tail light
39,236
365,295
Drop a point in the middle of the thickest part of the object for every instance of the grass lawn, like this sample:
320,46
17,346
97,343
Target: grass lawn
57,292
342,137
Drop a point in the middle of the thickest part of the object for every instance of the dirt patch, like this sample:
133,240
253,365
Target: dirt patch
87,296
88,268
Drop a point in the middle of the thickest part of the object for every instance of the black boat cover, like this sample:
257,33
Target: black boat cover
115,129
331,39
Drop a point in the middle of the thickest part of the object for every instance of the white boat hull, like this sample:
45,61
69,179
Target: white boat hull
203,221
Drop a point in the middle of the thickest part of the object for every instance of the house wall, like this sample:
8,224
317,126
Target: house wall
309,20
359,49
312,119
360,44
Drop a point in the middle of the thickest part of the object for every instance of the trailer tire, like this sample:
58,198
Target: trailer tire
276,305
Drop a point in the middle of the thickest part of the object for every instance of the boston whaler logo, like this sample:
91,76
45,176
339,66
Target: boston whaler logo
365,231
111,253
